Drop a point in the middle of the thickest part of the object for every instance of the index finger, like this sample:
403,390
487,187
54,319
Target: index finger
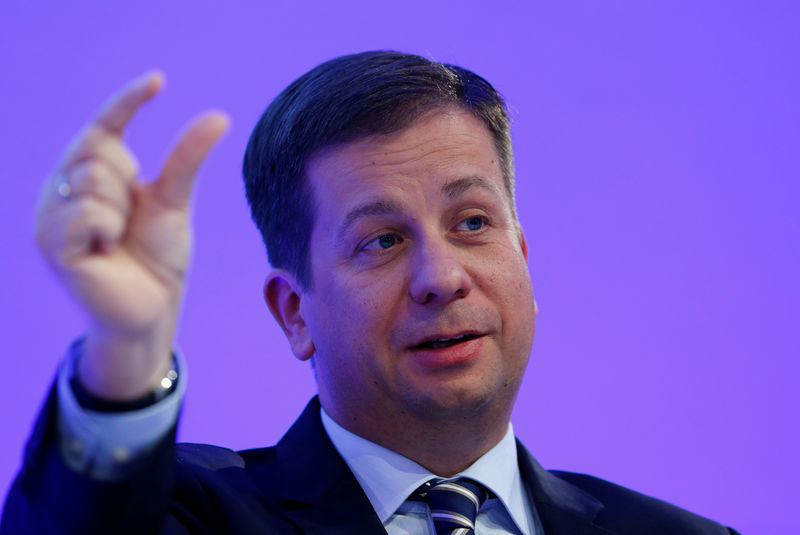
119,109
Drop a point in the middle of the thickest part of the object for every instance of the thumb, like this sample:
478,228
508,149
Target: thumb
174,184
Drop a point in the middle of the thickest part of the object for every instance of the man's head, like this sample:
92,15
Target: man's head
410,286
341,100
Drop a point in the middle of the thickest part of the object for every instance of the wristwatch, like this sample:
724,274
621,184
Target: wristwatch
89,401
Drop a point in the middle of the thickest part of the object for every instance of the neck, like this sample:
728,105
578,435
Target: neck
444,446
445,453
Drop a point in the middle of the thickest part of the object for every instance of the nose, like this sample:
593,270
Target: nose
438,275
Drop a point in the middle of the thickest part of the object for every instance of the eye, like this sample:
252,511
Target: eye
384,241
472,223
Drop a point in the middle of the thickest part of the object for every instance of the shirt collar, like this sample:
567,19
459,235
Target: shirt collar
388,478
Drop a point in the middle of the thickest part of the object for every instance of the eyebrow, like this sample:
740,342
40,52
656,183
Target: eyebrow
369,209
462,185
451,189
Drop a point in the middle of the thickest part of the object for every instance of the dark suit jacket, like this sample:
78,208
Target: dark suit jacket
301,485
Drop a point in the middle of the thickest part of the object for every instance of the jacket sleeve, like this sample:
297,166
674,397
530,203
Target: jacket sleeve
49,496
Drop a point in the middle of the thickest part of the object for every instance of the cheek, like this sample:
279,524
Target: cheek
375,290
507,284
505,273
359,309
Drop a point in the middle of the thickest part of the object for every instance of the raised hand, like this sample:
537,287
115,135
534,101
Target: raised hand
121,246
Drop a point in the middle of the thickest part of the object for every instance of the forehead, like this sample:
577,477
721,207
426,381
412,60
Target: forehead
439,148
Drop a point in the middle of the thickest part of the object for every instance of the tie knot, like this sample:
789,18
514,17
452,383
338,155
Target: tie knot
454,504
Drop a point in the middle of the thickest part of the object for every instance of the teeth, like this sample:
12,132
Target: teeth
449,339
437,343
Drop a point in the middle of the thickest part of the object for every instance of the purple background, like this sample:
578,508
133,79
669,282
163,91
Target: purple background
657,156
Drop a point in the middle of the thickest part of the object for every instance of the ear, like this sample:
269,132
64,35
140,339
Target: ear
283,294
522,243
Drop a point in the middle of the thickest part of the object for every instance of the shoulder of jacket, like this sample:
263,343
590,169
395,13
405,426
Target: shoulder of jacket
217,457
624,506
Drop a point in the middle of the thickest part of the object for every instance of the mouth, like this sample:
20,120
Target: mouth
440,343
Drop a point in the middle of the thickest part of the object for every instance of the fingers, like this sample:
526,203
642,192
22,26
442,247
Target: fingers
101,139
174,184
82,212
94,178
98,172
71,230
95,144
119,109
86,206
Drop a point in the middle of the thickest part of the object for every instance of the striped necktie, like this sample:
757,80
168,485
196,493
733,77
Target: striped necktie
454,504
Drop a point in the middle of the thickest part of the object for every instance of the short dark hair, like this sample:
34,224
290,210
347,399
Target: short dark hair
342,100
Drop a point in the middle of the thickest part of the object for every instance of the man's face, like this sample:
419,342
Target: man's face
421,304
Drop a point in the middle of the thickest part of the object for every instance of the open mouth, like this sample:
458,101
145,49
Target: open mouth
439,343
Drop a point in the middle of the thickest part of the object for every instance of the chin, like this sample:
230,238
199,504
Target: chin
449,403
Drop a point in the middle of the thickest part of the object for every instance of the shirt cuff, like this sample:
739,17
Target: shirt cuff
106,445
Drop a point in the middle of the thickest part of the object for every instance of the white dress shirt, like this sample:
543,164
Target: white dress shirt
388,479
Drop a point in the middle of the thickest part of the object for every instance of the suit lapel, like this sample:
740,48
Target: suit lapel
318,492
562,508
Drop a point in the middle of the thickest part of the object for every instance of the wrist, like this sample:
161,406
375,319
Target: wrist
122,370
88,400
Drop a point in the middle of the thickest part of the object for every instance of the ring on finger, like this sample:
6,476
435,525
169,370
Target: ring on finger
62,186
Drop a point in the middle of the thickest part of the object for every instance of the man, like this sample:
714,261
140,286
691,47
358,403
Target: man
382,184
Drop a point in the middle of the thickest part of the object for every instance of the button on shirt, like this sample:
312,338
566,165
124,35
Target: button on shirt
388,479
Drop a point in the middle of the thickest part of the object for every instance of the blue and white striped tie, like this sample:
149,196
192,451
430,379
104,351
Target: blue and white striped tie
454,504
